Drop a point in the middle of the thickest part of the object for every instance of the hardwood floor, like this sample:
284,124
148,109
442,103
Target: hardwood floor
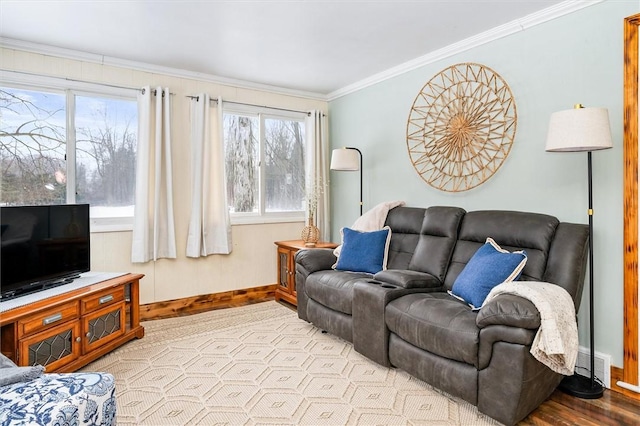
561,409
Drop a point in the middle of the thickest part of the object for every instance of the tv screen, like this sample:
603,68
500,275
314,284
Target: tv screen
42,246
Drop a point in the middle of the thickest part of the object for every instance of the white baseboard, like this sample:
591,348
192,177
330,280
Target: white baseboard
602,366
629,386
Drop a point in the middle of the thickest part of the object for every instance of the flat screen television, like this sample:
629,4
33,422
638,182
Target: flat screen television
42,247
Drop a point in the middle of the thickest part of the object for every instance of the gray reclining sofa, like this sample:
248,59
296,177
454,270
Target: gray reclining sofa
404,317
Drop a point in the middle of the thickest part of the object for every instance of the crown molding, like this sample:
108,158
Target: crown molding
493,34
60,52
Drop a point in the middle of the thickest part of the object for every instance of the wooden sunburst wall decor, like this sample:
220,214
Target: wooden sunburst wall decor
461,127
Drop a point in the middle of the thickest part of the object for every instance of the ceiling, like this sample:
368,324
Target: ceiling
310,46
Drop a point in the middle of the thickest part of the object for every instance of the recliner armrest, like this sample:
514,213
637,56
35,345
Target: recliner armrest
308,262
501,333
316,259
407,278
510,310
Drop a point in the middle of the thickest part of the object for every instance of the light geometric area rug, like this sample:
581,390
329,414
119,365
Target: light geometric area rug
261,365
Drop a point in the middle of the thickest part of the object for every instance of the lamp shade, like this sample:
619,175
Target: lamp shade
579,129
345,159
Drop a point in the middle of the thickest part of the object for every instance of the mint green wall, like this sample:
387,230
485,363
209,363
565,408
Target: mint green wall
576,58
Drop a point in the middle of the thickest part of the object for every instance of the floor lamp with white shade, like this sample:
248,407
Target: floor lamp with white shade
348,159
575,130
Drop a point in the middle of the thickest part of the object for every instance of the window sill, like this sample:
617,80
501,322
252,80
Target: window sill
111,224
260,220
102,225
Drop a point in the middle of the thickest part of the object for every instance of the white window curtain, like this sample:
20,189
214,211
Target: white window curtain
209,225
153,224
318,167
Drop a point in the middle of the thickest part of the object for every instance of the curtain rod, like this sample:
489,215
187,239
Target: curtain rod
115,86
197,98
139,89
72,79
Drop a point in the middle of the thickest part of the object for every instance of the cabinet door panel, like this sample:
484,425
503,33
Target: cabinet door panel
52,348
292,272
101,327
283,269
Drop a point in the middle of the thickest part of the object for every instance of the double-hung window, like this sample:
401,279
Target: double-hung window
60,145
265,164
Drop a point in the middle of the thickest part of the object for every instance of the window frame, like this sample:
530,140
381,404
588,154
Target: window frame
70,89
263,113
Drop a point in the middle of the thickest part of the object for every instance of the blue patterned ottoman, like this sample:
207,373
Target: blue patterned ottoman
60,399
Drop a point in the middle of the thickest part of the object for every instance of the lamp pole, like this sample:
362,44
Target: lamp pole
576,385
596,388
359,153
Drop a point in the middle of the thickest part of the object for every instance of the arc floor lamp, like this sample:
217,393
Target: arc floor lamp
573,130
348,159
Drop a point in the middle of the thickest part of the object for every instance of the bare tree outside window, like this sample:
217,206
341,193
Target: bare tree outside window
241,162
281,148
284,158
106,141
33,145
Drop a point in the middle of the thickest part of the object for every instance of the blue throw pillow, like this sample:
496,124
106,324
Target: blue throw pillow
490,265
364,251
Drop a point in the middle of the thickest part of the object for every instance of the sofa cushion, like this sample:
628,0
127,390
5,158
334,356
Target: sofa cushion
364,251
423,239
437,240
489,266
513,230
437,323
333,289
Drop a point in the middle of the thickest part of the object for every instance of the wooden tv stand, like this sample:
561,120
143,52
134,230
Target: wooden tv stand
69,330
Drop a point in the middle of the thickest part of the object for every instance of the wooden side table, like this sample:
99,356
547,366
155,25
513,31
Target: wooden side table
287,250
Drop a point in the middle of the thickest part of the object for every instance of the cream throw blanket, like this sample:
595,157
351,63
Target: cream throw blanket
372,220
556,342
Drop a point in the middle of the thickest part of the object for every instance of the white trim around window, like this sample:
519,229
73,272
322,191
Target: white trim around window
253,218
73,88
